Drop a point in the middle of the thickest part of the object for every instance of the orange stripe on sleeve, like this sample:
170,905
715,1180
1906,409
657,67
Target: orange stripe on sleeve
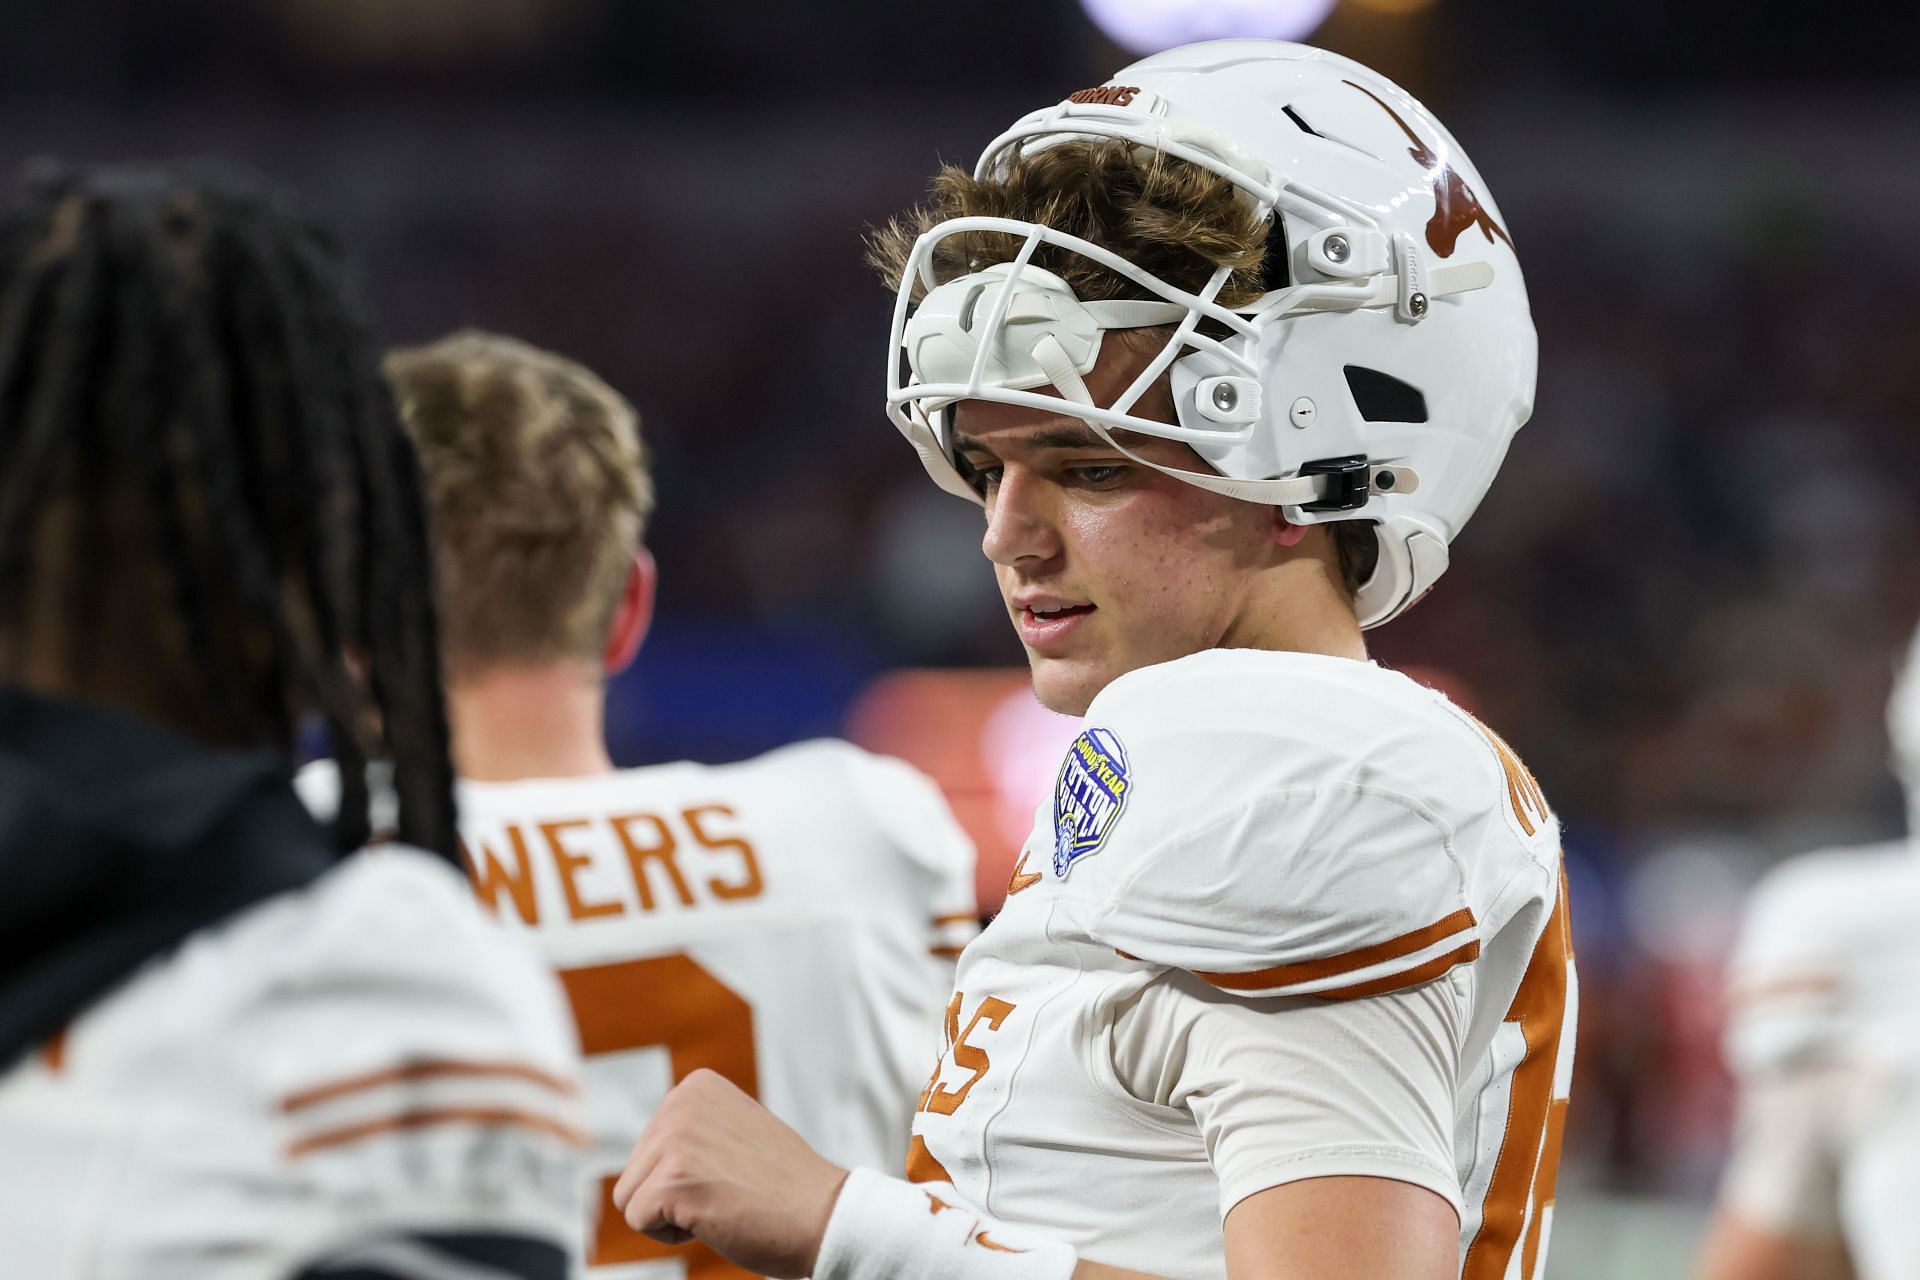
947,953
1286,975
1812,984
492,1117
956,917
430,1069
1411,978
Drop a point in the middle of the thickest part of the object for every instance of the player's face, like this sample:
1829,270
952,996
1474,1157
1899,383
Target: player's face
1106,565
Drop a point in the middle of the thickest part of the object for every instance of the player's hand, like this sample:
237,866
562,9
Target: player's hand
717,1166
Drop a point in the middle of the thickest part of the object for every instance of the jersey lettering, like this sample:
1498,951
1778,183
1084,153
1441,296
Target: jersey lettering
936,1097
615,865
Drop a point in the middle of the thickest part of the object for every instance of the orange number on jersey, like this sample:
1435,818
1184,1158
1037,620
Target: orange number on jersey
991,1010
671,1001
1525,1171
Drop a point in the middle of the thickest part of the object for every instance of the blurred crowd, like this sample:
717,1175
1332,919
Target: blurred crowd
1681,601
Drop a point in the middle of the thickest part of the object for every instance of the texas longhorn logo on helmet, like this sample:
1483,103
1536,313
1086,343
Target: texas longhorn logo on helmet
1455,206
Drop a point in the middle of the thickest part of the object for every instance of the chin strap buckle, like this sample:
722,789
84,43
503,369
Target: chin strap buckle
1349,483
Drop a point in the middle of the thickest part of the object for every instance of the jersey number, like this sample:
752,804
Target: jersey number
993,1011
665,1001
1524,1173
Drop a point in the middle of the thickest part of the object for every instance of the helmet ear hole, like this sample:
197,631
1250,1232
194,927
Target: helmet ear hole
1381,397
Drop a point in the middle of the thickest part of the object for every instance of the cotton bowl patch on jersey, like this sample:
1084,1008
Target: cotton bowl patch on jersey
1088,797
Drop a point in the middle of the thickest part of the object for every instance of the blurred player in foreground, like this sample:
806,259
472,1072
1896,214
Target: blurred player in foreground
1228,349
789,922
1823,1036
230,1051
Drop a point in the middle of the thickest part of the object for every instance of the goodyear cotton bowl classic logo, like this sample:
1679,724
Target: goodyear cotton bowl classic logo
1088,797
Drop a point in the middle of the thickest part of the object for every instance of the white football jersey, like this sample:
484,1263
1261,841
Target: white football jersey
1823,1034
320,1081
1287,916
790,922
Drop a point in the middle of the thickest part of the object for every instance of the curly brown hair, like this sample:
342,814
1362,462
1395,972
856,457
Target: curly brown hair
1169,217
1176,220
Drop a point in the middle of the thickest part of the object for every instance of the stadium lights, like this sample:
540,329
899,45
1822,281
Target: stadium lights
1148,26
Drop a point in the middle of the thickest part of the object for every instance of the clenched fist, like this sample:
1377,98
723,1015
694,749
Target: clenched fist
717,1166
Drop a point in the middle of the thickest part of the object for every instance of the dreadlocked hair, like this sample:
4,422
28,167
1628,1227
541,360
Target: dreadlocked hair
192,414
1173,219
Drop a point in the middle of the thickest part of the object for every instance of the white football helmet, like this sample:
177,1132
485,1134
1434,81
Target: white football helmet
1380,377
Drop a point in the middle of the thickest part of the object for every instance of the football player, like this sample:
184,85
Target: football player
226,1049
790,922
1823,1036
1228,349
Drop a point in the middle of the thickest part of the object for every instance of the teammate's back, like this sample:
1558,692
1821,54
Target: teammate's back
788,922
234,1045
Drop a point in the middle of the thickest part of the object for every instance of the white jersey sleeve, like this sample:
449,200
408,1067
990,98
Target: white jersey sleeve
909,809
1287,1089
362,1077
1783,1171
1792,966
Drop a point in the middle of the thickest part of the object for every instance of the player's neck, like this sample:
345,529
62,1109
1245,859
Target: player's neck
545,721
1300,607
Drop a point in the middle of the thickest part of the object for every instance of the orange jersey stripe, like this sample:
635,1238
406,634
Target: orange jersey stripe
957,917
1411,978
494,1117
1812,984
947,953
430,1069
1286,975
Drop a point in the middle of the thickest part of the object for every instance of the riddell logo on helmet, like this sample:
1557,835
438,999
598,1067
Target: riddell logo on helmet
1107,95
1455,206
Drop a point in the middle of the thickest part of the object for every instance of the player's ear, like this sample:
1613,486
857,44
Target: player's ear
1285,532
633,615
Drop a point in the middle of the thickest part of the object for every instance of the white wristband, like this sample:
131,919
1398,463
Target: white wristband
886,1229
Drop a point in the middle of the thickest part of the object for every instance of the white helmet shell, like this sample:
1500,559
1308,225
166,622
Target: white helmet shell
1380,378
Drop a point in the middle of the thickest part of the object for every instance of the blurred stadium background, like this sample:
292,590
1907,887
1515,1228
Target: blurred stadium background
1681,602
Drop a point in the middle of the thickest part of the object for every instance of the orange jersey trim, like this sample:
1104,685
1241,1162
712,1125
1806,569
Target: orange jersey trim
947,953
492,1117
1410,978
1812,984
955,917
1287,975
431,1069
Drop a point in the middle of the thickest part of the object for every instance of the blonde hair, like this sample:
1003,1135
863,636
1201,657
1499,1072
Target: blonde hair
1170,218
538,495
